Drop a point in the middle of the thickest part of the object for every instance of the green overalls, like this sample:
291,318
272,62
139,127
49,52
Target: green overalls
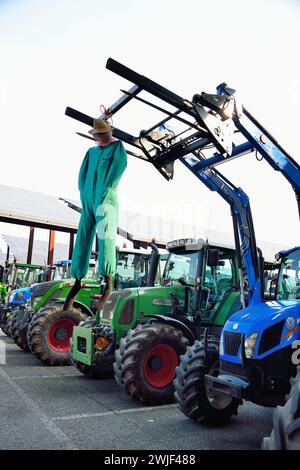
99,176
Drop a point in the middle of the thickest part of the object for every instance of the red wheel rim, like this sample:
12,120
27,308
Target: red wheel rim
159,365
60,333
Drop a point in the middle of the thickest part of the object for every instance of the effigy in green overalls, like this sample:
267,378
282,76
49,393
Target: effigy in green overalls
99,176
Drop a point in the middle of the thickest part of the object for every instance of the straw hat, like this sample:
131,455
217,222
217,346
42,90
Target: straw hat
100,126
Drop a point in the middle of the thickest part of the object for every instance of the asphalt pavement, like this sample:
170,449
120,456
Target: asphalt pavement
59,408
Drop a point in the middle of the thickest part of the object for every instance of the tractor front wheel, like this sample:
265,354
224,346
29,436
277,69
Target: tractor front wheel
192,397
146,360
286,422
19,335
49,333
11,321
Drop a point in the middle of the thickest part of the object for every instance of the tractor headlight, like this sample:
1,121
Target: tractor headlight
250,343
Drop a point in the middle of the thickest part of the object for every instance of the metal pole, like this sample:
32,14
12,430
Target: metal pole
7,253
51,247
30,245
71,245
97,247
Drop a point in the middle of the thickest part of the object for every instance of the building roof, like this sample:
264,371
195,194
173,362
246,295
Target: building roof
26,207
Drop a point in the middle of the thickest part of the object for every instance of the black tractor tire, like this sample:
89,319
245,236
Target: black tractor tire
49,333
5,327
10,324
286,422
5,330
146,360
19,335
190,391
96,371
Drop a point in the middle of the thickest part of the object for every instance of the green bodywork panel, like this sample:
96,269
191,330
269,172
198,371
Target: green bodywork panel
3,291
60,290
148,301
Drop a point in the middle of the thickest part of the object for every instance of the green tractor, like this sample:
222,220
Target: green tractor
17,278
141,332
45,329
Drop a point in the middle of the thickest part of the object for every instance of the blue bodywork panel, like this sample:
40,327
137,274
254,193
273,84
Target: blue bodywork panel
261,317
290,250
19,296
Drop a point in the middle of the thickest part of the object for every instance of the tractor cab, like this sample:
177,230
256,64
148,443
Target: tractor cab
24,275
209,273
132,268
288,284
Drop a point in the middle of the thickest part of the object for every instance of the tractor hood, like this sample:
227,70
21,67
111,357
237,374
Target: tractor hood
262,316
19,295
272,325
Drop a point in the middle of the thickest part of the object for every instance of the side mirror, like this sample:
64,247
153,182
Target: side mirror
272,289
213,257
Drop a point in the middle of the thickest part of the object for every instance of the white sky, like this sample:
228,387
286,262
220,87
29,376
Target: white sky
53,54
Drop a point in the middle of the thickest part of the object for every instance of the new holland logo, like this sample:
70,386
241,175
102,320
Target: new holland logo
290,323
235,326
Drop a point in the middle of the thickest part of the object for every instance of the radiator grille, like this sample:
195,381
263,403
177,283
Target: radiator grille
232,342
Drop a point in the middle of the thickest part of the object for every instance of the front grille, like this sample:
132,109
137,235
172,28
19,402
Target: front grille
81,345
232,342
271,337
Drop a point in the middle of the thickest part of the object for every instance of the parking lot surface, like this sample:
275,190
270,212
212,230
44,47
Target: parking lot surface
58,408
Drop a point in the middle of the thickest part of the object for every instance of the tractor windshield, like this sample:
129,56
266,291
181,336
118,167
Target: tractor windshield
62,272
26,276
289,277
132,270
181,267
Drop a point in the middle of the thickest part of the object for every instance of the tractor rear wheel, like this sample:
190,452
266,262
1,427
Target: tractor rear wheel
286,422
49,333
146,360
95,371
192,397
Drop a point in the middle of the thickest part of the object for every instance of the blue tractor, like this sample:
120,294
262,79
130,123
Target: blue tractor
255,361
